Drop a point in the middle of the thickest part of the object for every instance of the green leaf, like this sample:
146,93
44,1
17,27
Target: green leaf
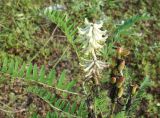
51,77
52,115
62,104
4,66
42,74
145,83
66,109
35,115
57,103
47,96
73,109
61,80
69,87
15,73
52,99
71,84
35,72
55,115
120,115
127,24
66,26
28,73
81,111
11,67
22,70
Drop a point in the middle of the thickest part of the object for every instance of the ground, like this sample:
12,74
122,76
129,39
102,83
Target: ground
24,32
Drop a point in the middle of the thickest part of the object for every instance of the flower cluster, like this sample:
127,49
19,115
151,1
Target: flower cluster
93,39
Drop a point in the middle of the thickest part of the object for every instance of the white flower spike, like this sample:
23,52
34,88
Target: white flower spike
93,37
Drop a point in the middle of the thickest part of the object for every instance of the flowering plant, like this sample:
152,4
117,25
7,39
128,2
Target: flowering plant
93,40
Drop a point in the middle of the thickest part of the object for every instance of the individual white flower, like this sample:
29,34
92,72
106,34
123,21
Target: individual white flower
92,37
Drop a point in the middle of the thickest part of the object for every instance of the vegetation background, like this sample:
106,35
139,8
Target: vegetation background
28,36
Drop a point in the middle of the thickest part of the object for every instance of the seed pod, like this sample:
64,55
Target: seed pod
113,80
120,92
122,52
125,52
134,89
119,50
119,85
120,82
121,65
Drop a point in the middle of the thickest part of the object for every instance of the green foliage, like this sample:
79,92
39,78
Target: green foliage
67,25
40,81
120,115
123,29
30,73
52,115
65,107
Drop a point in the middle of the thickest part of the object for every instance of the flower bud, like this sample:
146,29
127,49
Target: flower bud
120,82
121,66
120,92
125,52
119,50
119,85
113,80
122,52
134,89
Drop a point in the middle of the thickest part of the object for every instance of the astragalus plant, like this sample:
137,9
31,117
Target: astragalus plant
93,40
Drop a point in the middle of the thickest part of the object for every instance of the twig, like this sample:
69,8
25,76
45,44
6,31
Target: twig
61,57
16,111
60,36
44,44
66,91
5,105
